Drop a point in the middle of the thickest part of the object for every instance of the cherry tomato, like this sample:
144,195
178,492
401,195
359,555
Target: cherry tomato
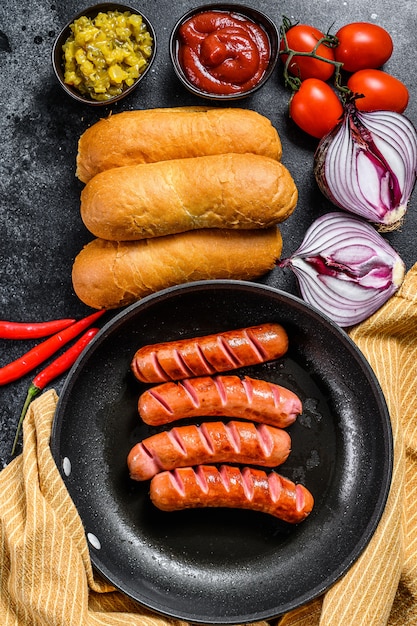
315,107
304,38
363,46
381,91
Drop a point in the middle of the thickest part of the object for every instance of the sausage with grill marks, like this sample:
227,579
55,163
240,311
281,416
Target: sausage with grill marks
229,396
211,442
210,354
228,486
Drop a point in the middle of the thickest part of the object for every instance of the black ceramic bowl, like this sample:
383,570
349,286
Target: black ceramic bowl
253,15
57,59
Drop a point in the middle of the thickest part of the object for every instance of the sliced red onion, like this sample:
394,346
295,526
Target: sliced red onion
345,268
367,165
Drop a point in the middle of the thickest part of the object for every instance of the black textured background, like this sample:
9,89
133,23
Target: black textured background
41,229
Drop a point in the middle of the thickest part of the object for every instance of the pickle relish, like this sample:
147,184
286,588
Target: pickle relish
106,54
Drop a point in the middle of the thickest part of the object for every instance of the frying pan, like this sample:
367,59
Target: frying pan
226,566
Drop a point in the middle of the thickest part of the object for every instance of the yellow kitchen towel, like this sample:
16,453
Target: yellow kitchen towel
381,588
46,578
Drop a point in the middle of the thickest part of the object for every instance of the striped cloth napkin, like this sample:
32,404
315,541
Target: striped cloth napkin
46,576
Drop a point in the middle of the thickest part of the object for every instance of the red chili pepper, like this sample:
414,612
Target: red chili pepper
32,330
52,371
27,362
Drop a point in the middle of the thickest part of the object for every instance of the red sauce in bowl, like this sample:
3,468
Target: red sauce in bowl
223,53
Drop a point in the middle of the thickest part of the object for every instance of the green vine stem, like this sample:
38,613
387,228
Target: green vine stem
294,82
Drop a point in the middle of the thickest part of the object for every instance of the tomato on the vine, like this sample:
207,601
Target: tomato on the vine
380,91
362,46
315,107
304,38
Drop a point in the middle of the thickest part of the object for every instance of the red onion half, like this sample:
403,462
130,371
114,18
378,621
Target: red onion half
367,165
345,268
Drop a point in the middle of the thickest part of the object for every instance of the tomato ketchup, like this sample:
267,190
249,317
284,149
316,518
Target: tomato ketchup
222,52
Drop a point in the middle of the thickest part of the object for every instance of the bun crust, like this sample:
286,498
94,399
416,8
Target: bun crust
242,191
153,135
110,274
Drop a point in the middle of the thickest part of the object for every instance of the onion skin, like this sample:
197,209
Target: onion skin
345,268
367,165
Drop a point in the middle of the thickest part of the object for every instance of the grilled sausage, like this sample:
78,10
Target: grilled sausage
248,398
211,442
250,488
210,354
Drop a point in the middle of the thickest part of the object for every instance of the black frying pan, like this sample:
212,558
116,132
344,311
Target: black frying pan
225,566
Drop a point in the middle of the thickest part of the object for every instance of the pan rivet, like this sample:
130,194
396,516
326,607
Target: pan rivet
94,541
66,466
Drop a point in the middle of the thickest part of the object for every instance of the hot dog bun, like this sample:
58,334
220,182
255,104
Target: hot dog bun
242,191
155,135
109,274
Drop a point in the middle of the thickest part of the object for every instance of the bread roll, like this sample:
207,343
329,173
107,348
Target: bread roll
242,191
110,274
173,133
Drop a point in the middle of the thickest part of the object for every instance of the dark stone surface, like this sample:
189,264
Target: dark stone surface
41,229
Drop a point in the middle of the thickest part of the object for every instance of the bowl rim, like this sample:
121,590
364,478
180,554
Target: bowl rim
65,32
252,13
